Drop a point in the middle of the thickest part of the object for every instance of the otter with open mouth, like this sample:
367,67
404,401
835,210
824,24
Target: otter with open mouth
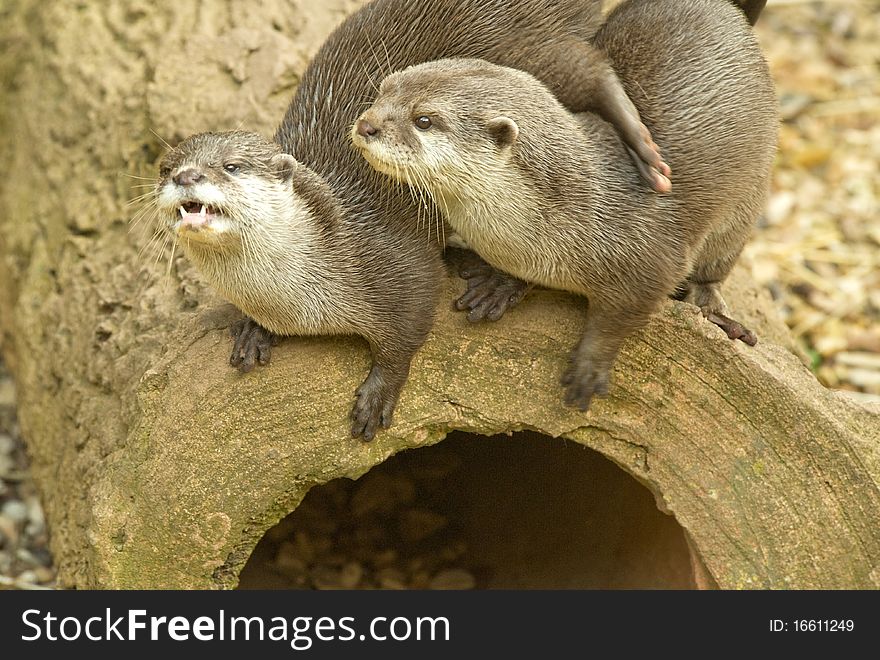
305,238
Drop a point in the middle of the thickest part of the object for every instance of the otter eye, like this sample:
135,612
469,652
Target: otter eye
423,123
164,172
232,168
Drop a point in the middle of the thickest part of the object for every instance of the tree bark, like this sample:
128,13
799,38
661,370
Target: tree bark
160,466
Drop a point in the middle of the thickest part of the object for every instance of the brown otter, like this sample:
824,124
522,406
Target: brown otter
305,238
540,193
491,292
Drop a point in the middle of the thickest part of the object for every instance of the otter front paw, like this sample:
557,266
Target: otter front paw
372,410
582,381
253,344
489,293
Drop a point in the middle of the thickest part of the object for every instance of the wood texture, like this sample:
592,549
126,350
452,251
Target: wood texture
162,467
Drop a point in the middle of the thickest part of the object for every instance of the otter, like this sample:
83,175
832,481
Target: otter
491,292
305,238
540,193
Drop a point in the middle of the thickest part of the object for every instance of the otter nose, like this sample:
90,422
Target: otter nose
366,129
188,177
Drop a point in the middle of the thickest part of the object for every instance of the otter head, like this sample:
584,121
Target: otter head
214,188
437,123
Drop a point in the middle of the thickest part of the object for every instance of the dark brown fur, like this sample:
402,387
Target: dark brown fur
571,214
751,8
386,269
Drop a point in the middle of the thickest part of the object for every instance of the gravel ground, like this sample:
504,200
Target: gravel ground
387,530
25,561
818,251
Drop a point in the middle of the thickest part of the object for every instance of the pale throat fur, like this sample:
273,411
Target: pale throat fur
267,236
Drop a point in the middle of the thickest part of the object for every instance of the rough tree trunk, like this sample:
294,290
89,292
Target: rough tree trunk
161,467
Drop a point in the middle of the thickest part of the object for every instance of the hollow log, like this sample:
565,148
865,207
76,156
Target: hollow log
160,466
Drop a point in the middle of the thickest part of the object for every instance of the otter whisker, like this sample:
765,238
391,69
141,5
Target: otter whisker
141,197
375,56
148,245
151,251
426,194
171,260
141,178
387,57
150,211
146,205
412,197
369,77
248,253
161,139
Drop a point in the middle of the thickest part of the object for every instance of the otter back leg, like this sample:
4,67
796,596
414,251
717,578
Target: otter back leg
714,263
582,79
590,364
707,296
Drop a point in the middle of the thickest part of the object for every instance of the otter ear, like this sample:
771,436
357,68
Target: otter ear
503,130
284,165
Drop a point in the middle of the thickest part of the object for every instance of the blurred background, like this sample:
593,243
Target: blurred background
817,250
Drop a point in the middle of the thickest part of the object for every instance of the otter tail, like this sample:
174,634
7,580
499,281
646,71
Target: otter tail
751,8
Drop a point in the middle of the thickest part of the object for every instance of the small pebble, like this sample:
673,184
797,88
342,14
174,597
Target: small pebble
374,494
287,561
36,517
29,577
348,577
7,393
418,524
391,578
8,532
453,578
25,555
44,574
7,444
15,511
384,558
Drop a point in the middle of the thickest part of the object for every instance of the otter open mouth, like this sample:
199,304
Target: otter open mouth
196,216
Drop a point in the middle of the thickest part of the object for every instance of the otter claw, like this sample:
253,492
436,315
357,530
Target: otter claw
489,294
370,412
253,345
653,169
582,382
734,329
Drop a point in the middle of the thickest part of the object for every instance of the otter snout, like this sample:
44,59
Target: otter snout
365,129
188,177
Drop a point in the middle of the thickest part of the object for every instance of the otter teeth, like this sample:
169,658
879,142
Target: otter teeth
189,208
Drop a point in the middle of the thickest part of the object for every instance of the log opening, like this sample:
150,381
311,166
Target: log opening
525,511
